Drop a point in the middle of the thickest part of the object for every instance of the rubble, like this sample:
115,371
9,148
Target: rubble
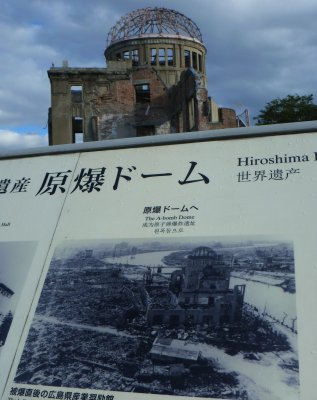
109,342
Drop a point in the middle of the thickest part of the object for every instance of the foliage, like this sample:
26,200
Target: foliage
292,108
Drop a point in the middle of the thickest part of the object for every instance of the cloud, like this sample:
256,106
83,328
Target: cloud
10,140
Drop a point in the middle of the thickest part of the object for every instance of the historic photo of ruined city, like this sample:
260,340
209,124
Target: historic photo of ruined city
16,259
203,317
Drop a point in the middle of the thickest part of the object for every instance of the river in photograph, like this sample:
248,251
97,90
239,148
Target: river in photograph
150,259
271,299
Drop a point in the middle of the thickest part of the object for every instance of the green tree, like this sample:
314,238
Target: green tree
289,109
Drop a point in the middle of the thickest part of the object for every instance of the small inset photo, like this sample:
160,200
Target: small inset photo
15,262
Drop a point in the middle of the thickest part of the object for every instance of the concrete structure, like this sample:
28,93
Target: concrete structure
202,294
154,83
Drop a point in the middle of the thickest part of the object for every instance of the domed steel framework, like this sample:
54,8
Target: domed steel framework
203,252
153,21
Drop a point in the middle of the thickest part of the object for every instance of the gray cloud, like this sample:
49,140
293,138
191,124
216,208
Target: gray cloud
10,140
257,50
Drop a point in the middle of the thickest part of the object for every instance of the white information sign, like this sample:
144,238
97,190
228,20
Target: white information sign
185,270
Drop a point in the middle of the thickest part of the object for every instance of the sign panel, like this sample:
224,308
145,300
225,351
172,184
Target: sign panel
27,224
181,270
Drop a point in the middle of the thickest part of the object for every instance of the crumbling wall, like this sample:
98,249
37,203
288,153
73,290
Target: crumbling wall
163,129
120,114
191,96
111,103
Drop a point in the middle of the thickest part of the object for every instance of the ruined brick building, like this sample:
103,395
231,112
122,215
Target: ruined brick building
202,293
154,83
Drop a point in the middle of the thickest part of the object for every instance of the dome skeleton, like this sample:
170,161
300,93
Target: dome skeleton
160,21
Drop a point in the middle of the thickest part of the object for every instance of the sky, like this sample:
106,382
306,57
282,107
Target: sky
257,50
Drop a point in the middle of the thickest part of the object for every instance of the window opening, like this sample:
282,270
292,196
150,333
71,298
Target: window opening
142,93
145,130
194,60
153,56
79,137
126,55
78,128
200,63
211,301
187,58
76,93
170,57
135,57
162,56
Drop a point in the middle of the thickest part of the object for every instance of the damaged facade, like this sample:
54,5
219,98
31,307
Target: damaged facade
154,83
201,293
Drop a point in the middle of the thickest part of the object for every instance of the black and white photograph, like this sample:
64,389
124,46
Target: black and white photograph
201,317
15,261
